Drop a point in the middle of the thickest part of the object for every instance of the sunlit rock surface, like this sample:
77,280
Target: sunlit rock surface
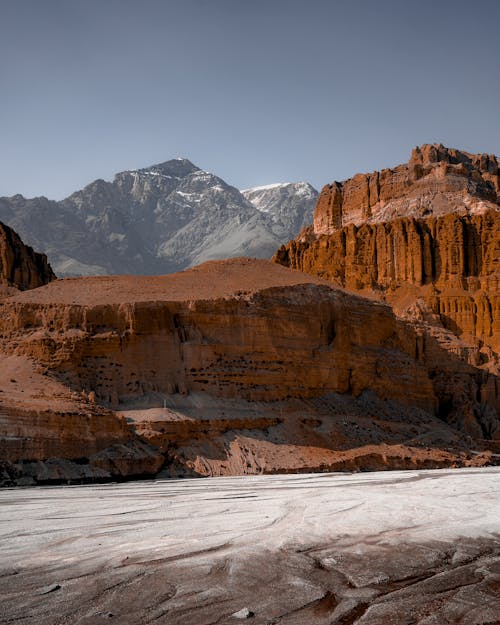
424,237
260,369
424,234
418,548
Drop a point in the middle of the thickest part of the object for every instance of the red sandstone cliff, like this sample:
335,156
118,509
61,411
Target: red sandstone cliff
424,237
244,366
20,266
49,432
262,369
435,181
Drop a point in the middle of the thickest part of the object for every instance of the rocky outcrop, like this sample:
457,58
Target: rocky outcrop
263,343
20,266
50,433
453,261
424,237
436,181
458,251
331,433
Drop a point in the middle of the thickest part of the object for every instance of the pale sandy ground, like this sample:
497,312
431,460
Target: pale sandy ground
416,547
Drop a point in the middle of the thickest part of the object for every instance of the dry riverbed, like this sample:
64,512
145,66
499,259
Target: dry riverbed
402,548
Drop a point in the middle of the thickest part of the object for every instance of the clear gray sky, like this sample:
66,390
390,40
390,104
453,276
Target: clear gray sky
256,91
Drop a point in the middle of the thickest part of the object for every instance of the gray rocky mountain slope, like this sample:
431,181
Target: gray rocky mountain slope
290,204
157,220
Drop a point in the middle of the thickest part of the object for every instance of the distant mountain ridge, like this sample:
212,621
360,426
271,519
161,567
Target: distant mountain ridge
159,219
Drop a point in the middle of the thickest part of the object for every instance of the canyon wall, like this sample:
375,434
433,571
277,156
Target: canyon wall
453,261
299,341
261,368
294,338
424,237
48,432
51,433
258,367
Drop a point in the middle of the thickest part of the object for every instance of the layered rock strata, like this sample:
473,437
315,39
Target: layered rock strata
452,262
436,180
424,237
50,433
256,338
331,433
263,344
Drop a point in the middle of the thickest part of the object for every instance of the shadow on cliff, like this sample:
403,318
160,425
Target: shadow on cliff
467,394
343,432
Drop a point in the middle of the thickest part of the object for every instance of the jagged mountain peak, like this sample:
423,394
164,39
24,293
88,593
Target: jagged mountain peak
273,195
290,204
158,219
176,168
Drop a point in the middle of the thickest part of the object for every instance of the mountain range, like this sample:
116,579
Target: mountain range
159,219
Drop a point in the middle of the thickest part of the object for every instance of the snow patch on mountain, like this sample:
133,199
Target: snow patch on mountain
290,205
266,187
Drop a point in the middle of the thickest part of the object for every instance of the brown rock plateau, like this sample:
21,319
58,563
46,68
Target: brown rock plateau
259,368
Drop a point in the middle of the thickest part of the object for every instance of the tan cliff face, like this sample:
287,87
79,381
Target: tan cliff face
52,433
20,266
424,237
451,262
49,432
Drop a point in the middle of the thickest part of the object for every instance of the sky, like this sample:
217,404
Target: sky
256,91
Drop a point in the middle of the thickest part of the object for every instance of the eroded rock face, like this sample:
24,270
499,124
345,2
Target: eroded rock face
48,432
51,433
435,181
264,342
20,266
451,261
425,237
297,340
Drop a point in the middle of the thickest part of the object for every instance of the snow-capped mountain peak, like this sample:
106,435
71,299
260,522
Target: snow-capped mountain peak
159,219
